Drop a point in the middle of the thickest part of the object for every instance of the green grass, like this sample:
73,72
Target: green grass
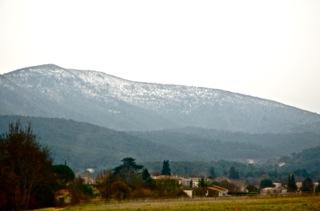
288,203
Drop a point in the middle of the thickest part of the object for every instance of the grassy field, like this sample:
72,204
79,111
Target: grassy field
288,203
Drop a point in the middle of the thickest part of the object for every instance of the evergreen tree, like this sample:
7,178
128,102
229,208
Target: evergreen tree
148,181
317,189
307,185
233,173
63,174
252,189
202,183
166,168
212,173
266,183
292,187
128,170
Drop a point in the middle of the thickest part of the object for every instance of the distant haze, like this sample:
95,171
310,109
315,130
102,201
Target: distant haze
269,49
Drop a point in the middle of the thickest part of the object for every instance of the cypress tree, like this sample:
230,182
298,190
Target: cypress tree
202,183
148,181
317,189
166,168
292,187
233,173
307,185
212,173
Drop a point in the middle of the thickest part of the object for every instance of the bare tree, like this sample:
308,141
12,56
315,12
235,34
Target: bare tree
24,159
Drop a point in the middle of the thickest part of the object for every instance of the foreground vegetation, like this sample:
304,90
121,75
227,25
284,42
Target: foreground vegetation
292,202
32,181
28,178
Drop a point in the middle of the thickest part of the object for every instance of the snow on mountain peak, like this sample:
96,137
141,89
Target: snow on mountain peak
181,104
153,96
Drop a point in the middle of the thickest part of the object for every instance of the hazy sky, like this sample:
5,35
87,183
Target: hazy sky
269,49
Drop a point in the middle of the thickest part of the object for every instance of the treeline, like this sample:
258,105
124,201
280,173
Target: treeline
244,171
130,180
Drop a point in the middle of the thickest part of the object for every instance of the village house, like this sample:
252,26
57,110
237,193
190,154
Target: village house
276,189
216,191
189,193
212,191
191,182
269,190
87,176
173,177
299,185
315,185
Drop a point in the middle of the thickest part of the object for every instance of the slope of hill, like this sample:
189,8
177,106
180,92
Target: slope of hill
311,127
85,145
308,159
214,144
102,99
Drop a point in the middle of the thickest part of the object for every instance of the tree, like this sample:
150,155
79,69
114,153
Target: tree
26,167
128,163
233,173
252,189
79,190
120,190
202,183
128,180
148,181
307,185
232,187
128,170
212,173
166,168
104,182
64,174
317,189
168,188
292,186
265,183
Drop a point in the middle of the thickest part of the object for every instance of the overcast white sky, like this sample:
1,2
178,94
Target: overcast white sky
269,48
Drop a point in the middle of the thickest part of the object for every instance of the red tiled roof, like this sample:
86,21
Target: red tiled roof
217,188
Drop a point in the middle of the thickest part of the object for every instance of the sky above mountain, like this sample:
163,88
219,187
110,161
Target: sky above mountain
269,49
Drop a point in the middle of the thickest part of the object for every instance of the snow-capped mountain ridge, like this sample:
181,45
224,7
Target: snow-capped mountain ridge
167,105
128,90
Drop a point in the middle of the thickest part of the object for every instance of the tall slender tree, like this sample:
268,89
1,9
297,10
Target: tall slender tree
166,168
202,183
212,173
317,189
292,186
233,173
147,179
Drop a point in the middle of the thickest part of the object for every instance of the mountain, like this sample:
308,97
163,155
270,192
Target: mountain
109,101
